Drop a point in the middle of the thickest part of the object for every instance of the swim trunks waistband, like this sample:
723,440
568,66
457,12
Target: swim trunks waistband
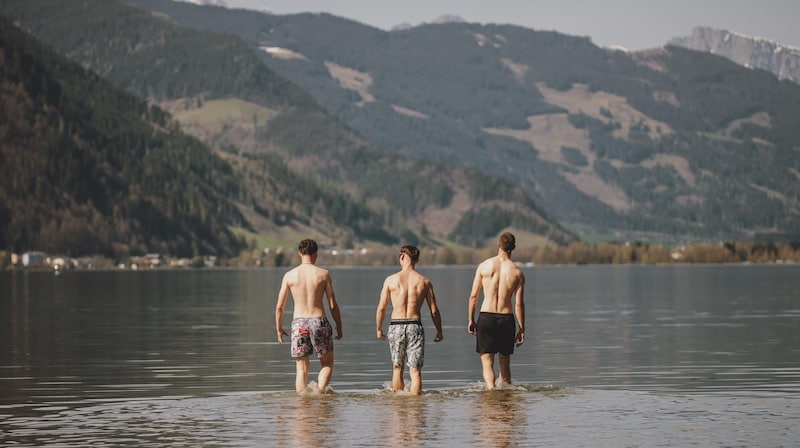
405,321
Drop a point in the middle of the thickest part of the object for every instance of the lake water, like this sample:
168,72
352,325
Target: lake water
682,355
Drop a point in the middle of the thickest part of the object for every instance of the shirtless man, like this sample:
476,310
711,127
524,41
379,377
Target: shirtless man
407,290
311,331
500,278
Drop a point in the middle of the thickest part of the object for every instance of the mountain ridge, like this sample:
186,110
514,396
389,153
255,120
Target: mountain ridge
367,193
749,51
644,126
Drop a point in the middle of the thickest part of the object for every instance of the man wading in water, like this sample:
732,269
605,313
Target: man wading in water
500,278
407,290
311,331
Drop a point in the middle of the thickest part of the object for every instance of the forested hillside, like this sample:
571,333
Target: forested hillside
301,171
90,169
681,143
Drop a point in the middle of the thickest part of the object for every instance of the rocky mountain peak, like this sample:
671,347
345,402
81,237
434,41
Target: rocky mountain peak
749,51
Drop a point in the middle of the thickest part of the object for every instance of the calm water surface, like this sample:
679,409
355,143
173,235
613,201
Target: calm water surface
614,356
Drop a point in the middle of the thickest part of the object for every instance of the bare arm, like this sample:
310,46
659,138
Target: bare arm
477,284
333,305
380,314
283,294
519,310
435,316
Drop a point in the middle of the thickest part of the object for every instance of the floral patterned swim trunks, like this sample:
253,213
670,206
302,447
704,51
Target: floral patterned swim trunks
407,342
311,334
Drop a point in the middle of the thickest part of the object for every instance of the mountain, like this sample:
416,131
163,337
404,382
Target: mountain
671,142
302,171
92,169
751,52
89,169
208,2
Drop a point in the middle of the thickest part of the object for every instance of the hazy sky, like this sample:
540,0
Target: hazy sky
634,24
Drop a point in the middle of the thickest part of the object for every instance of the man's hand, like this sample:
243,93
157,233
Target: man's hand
520,338
380,334
338,333
471,327
281,334
439,336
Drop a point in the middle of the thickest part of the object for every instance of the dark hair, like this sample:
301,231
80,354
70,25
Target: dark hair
411,251
507,242
307,247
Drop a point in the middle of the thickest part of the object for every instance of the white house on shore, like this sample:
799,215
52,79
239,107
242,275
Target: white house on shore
33,259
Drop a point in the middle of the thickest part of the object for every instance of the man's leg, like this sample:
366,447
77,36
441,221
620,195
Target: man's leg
505,367
301,381
397,378
326,368
416,380
487,361
415,355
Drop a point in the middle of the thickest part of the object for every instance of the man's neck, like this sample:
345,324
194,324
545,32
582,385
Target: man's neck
503,254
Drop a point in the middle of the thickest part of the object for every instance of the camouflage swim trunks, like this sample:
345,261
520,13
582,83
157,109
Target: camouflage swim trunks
407,342
311,334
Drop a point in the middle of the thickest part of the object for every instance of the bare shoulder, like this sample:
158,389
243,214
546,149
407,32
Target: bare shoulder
417,275
291,275
322,271
391,280
514,267
424,281
487,265
516,272
392,277
427,281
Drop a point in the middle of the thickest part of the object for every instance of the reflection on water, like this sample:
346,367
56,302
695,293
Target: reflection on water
306,420
408,422
673,355
496,418
520,416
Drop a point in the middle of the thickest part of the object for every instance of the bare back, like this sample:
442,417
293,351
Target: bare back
500,279
408,291
308,284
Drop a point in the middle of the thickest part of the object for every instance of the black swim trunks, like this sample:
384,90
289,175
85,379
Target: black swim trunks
495,333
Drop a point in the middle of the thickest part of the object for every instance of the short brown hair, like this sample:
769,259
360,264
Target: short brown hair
411,251
307,247
507,242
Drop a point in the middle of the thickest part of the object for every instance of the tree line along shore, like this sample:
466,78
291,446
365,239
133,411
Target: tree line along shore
578,253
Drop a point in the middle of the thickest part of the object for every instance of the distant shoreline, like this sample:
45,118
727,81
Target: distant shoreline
568,255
